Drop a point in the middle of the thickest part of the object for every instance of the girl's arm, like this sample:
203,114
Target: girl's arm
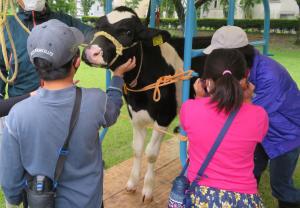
6,105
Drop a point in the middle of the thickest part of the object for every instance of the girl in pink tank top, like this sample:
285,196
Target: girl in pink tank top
229,180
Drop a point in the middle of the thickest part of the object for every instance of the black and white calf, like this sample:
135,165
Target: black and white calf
121,36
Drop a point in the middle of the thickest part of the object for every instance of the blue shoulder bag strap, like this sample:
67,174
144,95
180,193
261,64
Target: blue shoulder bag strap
214,148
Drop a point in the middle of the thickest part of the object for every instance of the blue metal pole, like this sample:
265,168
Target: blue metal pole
188,43
266,27
108,8
230,18
103,133
197,52
152,13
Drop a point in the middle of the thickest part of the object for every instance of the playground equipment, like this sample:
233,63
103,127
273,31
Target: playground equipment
189,52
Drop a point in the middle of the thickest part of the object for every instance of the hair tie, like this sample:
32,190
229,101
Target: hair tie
227,72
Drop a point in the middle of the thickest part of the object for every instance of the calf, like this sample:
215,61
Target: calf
122,36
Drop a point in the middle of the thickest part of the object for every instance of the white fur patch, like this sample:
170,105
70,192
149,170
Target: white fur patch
172,58
153,146
140,118
116,16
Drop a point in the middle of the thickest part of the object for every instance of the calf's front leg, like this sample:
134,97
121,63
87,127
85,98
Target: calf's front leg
152,152
139,135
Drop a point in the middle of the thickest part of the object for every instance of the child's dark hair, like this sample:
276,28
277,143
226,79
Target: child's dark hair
249,52
48,73
226,67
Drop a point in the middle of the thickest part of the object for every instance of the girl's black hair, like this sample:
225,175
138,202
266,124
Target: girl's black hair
249,52
48,73
227,93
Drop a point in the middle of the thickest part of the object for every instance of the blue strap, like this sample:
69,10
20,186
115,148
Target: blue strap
184,168
215,146
63,151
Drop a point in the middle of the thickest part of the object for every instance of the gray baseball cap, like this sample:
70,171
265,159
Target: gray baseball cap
54,41
227,37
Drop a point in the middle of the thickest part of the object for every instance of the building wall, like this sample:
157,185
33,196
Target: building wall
79,9
97,9
278,8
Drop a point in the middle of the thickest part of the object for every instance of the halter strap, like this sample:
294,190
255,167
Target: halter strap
119,47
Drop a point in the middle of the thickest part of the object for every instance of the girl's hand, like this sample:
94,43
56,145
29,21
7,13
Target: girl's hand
126,67
248,92
199,88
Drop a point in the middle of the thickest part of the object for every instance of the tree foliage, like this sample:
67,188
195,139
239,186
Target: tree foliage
247,6
133,4
224,3
86,6
180,8
180,11
65,6
168,7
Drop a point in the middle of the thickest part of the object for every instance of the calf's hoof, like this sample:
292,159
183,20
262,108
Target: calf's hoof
130,188
147,199
147,195
130,191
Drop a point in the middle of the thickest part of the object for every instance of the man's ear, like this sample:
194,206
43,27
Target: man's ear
153,37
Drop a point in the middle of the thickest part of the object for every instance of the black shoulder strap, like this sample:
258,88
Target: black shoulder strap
64,150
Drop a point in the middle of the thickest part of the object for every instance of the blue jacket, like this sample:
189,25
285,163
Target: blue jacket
35,131
277,92
27,79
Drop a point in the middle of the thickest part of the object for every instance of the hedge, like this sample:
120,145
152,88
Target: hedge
277,25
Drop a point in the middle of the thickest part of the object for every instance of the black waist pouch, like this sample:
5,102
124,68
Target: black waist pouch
40,192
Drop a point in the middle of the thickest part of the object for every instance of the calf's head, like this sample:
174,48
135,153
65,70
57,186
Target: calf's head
119,37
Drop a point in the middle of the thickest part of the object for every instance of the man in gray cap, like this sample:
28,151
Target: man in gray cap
278,94
36,128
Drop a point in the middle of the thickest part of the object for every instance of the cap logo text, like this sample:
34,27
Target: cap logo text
40,50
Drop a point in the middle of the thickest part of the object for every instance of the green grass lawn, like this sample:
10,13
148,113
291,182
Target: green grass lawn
117,144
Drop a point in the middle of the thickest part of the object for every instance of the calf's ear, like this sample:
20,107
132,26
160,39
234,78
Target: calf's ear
153,37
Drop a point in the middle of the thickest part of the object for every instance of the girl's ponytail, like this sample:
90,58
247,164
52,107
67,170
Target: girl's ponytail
226,67
228,93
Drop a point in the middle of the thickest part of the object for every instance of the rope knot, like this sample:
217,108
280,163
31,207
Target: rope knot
160,82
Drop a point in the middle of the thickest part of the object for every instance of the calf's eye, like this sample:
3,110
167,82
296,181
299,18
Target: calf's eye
129,33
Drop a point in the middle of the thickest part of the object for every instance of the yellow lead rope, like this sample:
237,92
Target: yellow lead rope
5,25
162,81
